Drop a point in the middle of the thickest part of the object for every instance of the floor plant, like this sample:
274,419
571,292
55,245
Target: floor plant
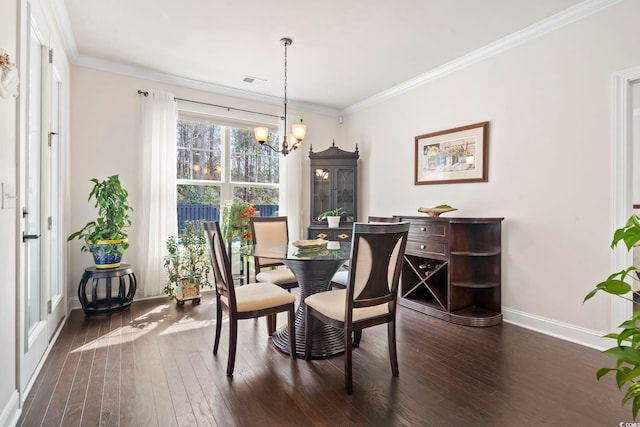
627,348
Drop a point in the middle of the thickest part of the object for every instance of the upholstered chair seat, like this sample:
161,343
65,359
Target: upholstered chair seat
279,276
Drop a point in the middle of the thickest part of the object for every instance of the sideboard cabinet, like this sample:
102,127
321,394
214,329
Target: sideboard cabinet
334,184
452,269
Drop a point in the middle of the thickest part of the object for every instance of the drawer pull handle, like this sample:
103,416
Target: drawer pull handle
322,235
422,246
342,236
423,228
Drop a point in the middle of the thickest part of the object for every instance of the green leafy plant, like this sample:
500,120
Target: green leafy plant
236,218
187,258
113,219
333,212
627,350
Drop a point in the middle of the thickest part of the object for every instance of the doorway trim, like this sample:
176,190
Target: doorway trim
622,171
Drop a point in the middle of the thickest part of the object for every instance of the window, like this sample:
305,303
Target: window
219,161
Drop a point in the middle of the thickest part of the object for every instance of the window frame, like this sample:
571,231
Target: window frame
226,184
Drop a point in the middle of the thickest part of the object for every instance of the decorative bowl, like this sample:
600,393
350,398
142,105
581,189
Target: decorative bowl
310,245
435,211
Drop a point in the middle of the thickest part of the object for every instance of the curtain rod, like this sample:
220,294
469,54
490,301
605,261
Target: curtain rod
146,93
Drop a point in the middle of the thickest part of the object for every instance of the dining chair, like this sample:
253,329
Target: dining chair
339,280
244,302
370,297
272,231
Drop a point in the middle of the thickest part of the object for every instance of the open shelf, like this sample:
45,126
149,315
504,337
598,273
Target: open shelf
477,285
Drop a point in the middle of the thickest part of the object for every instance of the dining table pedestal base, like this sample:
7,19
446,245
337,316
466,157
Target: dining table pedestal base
313,277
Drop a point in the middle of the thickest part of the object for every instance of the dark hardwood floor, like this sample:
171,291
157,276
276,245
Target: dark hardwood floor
153,365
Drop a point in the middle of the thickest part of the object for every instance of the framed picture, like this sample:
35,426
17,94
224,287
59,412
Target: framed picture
453,155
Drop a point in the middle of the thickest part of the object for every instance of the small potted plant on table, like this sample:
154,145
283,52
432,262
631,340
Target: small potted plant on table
106,236
333,217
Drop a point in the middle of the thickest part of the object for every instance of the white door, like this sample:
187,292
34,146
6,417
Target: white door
41,294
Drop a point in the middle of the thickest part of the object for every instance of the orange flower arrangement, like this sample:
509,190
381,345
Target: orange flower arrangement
236,217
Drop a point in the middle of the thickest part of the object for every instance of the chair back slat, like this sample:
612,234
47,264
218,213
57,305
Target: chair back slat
220,262
383,219
376,263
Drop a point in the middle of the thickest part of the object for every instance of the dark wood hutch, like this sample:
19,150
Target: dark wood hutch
334,184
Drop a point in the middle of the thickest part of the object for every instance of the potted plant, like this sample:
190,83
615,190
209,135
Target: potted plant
333,217
627,349
187,263
106,236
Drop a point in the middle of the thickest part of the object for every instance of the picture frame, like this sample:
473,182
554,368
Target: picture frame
451,156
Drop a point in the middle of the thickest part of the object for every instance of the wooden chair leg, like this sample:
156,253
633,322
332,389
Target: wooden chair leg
393,354
233,341
357,336
308,334
348,349
292,332
271,324
216,340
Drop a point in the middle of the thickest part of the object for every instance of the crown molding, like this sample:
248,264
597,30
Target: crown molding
554,22
146,74
62,18
64,23
575,13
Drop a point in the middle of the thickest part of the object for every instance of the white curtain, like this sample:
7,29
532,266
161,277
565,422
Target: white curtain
158,217
291,184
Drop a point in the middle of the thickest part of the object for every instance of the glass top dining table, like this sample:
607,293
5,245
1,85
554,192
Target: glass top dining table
313,270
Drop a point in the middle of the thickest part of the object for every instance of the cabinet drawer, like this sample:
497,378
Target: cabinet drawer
342,235
331,234
428,248
419,230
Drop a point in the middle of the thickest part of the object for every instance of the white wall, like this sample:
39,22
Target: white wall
105,120
8,389
549,106
548,101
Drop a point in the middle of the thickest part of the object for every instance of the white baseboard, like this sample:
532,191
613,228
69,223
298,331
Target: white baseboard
554,328
74,302
11,412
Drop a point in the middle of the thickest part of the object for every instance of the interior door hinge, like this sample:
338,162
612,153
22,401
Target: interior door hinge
49,307
51,137
50,56
49,223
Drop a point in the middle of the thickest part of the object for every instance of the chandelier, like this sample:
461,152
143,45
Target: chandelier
298,130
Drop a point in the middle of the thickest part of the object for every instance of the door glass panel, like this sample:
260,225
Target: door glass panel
53,192
322,191
345,191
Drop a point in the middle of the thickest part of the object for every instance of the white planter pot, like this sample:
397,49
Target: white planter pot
333,221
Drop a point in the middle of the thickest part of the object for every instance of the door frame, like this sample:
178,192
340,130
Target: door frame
622,171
